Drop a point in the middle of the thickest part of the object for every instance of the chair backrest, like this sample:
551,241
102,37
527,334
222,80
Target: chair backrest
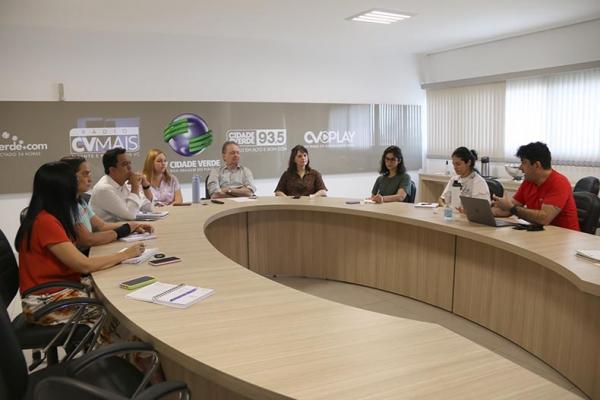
23,214
588,184
13,368
495,187
588,211
413,193
9,271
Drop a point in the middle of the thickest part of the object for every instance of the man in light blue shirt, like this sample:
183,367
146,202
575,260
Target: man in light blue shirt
231,179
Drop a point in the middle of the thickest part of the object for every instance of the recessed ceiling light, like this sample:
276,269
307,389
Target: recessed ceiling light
380,16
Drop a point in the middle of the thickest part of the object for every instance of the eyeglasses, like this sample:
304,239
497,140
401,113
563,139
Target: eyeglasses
391,159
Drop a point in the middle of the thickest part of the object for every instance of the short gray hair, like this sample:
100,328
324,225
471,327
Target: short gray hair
227,143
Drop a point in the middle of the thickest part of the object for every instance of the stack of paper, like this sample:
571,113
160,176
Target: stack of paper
141,258
592,255
150,215
135,237
426,205
179,296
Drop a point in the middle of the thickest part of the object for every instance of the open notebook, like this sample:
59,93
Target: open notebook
179,296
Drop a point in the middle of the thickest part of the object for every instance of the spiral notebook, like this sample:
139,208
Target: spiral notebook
179,296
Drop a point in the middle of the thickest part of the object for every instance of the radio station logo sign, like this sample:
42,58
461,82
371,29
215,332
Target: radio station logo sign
329,138
12,146
259,140
94,136
188,134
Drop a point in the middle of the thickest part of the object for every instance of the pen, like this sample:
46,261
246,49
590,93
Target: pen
183,294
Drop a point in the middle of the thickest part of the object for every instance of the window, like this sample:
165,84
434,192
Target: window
561,110
471,116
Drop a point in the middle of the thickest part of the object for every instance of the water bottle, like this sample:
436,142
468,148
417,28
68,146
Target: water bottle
196,189
455,191
447,208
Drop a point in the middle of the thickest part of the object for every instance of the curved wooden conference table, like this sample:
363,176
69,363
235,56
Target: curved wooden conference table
257,339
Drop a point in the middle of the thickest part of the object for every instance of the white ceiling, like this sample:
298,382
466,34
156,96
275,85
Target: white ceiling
438,25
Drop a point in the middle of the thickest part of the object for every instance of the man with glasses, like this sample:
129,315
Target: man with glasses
112,200
545,197
232,179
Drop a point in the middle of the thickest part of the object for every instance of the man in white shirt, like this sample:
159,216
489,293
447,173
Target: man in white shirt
112,200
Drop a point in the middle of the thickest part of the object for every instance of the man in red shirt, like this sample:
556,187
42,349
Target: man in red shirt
545,197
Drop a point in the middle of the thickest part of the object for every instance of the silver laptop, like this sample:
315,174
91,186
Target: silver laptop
479,211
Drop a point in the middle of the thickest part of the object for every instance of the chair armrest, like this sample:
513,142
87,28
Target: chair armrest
78,364
60,388
159,390
50,307
54,285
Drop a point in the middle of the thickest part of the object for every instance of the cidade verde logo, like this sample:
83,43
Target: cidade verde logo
188,134
13,146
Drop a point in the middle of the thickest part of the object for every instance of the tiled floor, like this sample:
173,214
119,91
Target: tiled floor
392,304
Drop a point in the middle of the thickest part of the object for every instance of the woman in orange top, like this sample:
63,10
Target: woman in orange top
46,237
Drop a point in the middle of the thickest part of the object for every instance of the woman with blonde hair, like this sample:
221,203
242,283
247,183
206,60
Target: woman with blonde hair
164,187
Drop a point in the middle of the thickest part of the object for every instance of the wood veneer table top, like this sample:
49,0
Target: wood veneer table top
265,340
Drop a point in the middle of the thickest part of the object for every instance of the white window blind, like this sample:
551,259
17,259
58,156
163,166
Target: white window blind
561,110
471,116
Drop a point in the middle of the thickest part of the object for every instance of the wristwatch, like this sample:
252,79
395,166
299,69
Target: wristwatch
513,210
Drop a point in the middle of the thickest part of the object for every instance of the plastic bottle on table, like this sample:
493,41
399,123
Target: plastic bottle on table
196,189
448,213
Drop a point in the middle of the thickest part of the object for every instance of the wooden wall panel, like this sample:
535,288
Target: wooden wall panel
399,258
532,306
230,236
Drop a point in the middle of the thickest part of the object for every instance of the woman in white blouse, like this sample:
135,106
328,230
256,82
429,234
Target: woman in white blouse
472,184
164,187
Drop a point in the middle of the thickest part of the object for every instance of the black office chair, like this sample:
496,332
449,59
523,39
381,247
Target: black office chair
588,211
101,374
72,336
413,193
495,187
206,195
588,184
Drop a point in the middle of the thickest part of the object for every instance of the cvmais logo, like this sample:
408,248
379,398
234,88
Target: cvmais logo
329,137
188,134
95,135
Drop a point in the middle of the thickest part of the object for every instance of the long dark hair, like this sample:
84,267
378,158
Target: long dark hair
55,191
466,155
75,162
292,164
395,150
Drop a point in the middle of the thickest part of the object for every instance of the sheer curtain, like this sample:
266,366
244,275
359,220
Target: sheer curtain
562,110
471,116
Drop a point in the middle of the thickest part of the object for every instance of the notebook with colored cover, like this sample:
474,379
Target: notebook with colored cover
179,296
